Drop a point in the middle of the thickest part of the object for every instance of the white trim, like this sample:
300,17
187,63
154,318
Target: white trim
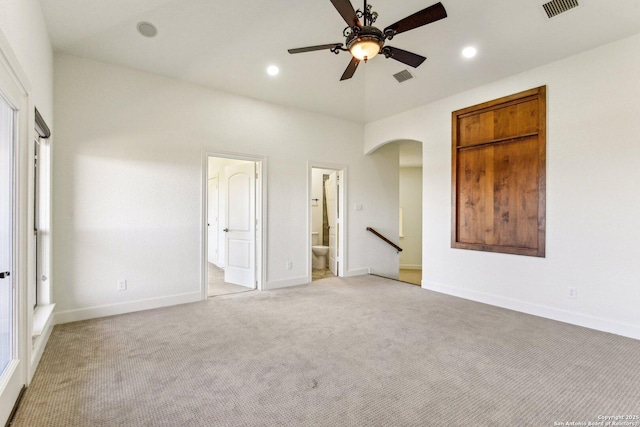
13,65
16,88
41,316
411,266
286,283
41,343
5,380
261,216
565,316
125,307
357,272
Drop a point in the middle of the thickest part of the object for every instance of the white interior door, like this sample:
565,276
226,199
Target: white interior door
11,370
240,183
212,220
331,189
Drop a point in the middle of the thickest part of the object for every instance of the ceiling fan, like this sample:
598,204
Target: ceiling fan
364,41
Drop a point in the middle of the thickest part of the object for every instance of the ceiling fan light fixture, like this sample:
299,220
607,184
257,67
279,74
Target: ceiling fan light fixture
365,43
365,48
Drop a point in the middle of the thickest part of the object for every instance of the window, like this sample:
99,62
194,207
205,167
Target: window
40,292
36,221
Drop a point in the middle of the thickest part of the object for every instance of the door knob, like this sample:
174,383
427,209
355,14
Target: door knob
5,274
226,230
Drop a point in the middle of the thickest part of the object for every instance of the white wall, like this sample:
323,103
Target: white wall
128,184
592,198
22,23
411,204
384,183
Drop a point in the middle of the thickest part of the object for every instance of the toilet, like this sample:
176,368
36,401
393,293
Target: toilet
318,252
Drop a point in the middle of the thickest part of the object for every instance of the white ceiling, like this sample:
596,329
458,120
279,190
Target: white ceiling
228,45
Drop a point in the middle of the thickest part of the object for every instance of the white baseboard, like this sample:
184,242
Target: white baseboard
125,307
285,283
587,321
305,280
357,272
411,266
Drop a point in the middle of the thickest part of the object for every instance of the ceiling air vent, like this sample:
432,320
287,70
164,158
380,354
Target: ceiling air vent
403,76
556,7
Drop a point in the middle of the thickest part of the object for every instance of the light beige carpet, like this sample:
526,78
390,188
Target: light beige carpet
363,351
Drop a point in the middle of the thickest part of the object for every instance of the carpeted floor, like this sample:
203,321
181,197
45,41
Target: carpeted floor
362,351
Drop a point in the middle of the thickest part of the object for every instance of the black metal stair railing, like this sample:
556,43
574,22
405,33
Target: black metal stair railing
396,247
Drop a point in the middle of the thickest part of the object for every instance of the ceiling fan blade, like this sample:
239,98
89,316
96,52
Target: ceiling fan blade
312,48
348,13
409,58
351,69
426,16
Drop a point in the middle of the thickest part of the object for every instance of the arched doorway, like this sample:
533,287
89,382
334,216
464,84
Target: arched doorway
409,235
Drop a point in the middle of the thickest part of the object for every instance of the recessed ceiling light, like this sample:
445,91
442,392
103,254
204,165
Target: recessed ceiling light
147,29
469,52
272,70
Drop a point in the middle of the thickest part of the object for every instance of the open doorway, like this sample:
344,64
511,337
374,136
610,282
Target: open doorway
327,222
233,220
410,202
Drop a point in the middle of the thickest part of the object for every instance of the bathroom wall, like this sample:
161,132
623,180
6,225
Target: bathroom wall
317,207
411,204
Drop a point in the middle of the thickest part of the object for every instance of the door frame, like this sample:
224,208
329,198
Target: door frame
261,215
217,178
342,213
16,88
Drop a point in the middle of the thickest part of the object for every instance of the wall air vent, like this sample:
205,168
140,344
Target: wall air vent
556,7
403,76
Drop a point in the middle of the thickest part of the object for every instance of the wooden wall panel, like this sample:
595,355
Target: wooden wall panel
476,128
476,192
528,117
498,175
516,194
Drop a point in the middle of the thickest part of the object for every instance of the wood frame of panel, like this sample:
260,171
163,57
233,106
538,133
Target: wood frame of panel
498,170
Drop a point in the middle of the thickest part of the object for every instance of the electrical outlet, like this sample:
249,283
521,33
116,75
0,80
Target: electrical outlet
122,285
289,265
572,292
